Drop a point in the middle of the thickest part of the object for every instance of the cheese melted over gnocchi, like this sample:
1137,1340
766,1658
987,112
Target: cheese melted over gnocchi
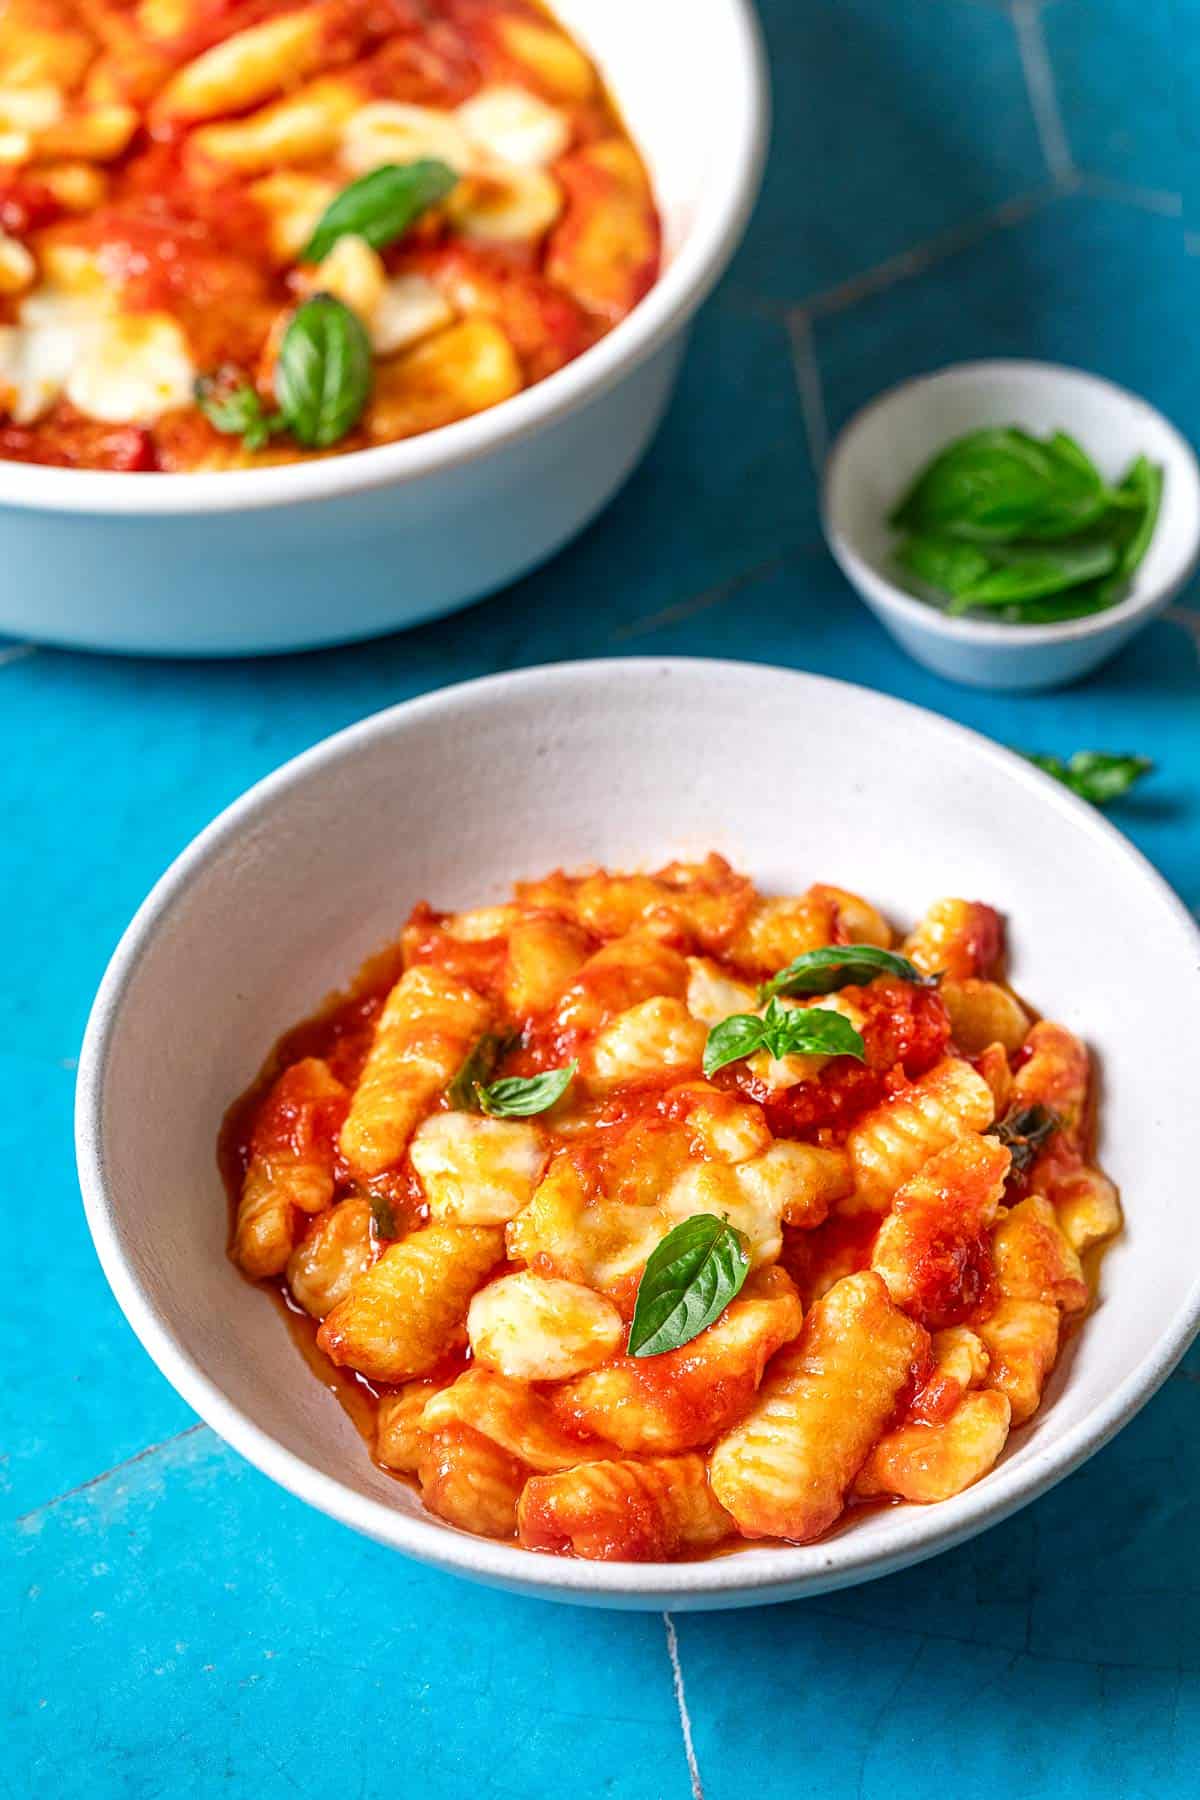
914,1222
163,165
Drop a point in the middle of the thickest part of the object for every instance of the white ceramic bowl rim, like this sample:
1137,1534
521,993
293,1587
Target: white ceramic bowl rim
989,631
682,286
915,1532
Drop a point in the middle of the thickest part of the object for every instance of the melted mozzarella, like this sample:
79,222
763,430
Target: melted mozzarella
506,205
131,369
476,1170
390,131
649,1039
536,1329
514,126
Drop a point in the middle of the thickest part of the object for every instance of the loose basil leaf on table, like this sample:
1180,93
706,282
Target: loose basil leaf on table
1095,775
687,1283
783,1031
381,206
323,375
476,1070
232,406
840,965
1024,1130
521,1096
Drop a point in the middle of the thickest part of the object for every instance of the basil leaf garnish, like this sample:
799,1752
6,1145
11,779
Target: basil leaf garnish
520,1096
231,405
323,375
476,1070
1095,775
838,966
1025,572
783,1031
998,484
1024,1130
381,206
688,1282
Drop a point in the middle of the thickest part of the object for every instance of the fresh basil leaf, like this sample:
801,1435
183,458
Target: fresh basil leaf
383,1215
1021,574
998,484
739,1035
1095,775
1143,482
381,206
838,966
232,406
323,375
941,563
520,1096
1024,1130
782,1031
476,1070
809,1031
687,1283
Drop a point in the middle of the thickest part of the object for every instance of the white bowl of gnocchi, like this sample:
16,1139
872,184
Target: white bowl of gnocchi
691,1191
318,323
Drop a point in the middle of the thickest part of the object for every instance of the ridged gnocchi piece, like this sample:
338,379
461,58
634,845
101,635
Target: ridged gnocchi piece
959,939
502,205
983,1013
408,1309
462,370
1034,1260
476,1170
1021,1339
656,1037
400,1442
926,1463
569,1232
785,1469
1087,1208
470,1482
633,968
993,1064
685,1397
789,1183
1055,1075
291,1165
724,1127
704,901
932,1249
959,1356
512,1414
247,67
556,63
606,248
858,922
890,1143
538,1328
428,1024
623,1511
292,202
779,928
545,953
337,1248
302,127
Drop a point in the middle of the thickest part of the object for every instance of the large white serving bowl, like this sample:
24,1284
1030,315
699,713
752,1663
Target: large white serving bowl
287,558
451,797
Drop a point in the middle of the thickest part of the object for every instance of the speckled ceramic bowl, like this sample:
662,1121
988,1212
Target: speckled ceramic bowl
452,796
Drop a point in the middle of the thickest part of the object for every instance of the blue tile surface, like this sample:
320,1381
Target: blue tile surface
174,1622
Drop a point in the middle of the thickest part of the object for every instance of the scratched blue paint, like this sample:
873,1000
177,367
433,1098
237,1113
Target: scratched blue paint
174,1623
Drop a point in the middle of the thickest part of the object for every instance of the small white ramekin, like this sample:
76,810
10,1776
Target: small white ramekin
883,448
323,552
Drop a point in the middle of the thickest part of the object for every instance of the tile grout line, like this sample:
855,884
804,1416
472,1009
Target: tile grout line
689,1748
107,1474
1043,96
679,610
926,255
808,381
1152,200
